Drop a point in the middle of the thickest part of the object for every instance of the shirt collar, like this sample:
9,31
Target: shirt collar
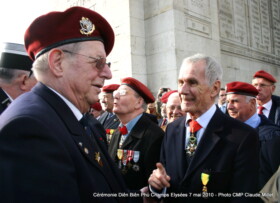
132,123
205,118
268,105
73,108
253,121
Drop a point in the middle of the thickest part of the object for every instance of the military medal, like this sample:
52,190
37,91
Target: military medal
120,156
109,133
124,161
98,158
204,179
129,158
191,145
136,157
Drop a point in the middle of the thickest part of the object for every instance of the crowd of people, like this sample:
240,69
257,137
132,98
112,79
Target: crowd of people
65,137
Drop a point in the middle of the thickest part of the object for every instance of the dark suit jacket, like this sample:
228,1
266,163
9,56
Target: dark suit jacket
145,137
45,155
102,119
269,135
228,152
4,100
112,123
274,113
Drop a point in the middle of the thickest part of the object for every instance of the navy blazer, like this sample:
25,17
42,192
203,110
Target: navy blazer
145,137
46,156
228,152
274,113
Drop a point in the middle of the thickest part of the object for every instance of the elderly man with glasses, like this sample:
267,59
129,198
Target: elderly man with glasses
135,147
49,151
268,104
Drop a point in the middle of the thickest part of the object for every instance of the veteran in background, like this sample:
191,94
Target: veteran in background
241,99
135,147
268,104
16,76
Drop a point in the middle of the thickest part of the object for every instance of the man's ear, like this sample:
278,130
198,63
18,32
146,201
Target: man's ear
55,57
139,103
216,88
23,82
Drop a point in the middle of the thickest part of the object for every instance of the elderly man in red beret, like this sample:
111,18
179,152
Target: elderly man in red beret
15,73
268,104
173,107
135,147
96,110
49,151
241,99
108,119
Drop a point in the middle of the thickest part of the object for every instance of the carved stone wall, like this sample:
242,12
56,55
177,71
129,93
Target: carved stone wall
153,37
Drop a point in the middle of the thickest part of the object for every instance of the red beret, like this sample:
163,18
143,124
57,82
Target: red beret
140,88
265,75
96,106
164,97
110,88
75,24
242,88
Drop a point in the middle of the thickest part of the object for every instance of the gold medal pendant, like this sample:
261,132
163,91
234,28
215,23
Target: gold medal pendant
205,179
98,158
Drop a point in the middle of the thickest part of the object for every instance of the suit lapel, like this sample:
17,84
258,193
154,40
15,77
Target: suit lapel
180,146
207,143
78,133
136,133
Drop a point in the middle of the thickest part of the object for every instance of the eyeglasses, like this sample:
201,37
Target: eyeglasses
100,61
121,92
261,85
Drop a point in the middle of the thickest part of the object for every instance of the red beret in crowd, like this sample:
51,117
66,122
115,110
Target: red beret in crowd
75,24
96,106
140,88
265,75
242,88
164,97
110,88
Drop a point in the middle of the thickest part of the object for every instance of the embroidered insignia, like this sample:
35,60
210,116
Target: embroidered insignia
86,26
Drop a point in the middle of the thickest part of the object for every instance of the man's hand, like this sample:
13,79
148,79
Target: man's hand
159,179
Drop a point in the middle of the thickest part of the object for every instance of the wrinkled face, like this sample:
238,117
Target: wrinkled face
265,88
196,95
126,100
82,75
107,101
173,107
239,108
222,97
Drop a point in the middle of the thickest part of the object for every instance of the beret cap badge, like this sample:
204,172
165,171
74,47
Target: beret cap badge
86,26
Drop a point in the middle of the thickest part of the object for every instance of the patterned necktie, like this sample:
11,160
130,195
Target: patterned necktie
164,122
192,144
260,110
